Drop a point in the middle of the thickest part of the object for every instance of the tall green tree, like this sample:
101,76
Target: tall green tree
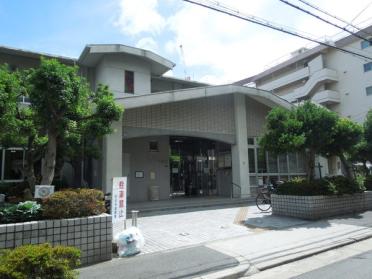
362,152
307,127
345,136
63,103
80,139
64,113
18,125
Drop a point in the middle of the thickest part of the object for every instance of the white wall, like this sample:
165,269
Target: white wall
141,159
352,83
111,70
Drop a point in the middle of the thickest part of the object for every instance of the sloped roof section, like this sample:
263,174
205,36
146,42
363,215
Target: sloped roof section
93,53
262,96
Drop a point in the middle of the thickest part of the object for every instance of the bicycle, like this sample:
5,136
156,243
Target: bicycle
263,199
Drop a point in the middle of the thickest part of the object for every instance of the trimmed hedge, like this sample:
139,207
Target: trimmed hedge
74,203
39,262
335,185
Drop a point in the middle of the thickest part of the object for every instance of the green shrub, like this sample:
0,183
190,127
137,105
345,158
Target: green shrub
336,185
344,186
21,212
368,182
73,203
39,262
302,187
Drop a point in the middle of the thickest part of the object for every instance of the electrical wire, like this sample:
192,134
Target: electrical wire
365,8
228,11
329,14
323,19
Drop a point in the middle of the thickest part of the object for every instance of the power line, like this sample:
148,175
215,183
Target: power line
328,14
322,19
228,11
365,8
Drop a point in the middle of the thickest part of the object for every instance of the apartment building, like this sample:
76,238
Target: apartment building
339,81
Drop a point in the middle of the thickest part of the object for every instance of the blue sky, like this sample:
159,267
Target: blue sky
216,48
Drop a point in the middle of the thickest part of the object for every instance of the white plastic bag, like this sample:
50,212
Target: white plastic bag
129,242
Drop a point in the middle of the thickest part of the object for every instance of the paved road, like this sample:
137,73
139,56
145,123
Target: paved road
351,261
184,263
356,267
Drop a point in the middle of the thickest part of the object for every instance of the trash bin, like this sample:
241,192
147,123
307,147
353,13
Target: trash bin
154,193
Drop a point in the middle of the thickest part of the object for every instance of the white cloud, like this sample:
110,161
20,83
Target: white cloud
148,43
139,16
229,48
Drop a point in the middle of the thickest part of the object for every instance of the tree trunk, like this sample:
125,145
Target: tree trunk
49,163
76,165
29,170
311,165
347,167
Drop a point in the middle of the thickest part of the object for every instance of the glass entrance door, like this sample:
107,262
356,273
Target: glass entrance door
193,167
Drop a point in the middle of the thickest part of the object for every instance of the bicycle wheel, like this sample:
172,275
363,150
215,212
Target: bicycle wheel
263,203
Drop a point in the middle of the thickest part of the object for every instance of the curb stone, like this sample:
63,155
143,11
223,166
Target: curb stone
245,268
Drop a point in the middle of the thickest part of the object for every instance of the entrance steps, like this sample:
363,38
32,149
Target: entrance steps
184,204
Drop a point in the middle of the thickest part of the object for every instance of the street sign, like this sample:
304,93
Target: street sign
119,199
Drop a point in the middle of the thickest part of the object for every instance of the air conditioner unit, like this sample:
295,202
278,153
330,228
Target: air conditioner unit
43,191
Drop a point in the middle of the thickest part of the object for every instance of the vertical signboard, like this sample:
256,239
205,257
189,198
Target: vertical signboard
119,199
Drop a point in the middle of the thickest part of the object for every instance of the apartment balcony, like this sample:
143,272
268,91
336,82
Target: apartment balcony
327,97
287,79
317,79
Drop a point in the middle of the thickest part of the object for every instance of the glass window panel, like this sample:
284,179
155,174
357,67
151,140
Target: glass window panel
369,90
261,161
367,67
13,164
365,44
292,161
253,180
283,167
301,162
252,164
251,141
129,82
273,163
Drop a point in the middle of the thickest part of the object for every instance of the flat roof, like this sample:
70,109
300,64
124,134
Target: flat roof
180,80
34,54
92,53
311,52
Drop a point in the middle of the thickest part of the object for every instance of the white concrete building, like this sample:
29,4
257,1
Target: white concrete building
339,81
176,137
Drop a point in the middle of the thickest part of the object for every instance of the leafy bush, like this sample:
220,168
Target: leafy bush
302,187
344,186
74,203
336,185
21,212
39,262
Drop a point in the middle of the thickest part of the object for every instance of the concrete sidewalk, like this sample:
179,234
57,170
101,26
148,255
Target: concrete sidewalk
276,247
278,241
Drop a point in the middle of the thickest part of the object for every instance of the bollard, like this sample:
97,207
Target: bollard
134,218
